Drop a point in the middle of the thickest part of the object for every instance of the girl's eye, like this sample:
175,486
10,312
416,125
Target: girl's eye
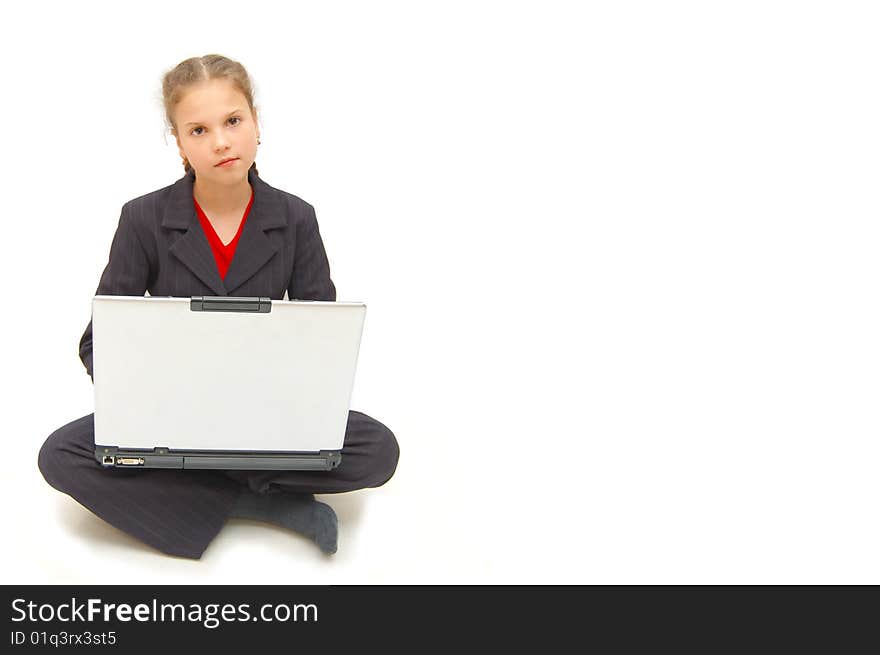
234,118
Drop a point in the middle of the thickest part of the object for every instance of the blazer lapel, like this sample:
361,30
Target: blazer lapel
254,248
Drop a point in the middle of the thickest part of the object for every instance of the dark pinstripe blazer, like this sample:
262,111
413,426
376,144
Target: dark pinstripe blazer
160,247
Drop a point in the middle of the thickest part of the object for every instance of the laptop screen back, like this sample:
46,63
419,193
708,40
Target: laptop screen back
168,376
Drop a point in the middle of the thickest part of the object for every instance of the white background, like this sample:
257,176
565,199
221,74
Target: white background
619,260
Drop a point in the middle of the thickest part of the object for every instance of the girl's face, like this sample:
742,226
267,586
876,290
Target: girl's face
214,124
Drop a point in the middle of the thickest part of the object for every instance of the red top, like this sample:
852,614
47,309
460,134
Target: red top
222,253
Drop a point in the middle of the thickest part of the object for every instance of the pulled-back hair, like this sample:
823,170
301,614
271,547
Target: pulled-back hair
194,70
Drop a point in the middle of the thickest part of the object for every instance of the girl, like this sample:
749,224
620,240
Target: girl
218,230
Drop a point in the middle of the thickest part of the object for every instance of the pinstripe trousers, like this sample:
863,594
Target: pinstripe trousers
179,512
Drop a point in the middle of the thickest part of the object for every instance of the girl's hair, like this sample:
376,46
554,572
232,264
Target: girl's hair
201,69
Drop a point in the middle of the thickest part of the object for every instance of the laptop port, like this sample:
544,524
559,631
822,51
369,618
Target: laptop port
130,461
108,460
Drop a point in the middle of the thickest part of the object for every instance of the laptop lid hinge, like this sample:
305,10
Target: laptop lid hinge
230,304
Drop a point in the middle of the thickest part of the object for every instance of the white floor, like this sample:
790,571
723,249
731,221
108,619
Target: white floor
629,518
78,547
427,525
399,533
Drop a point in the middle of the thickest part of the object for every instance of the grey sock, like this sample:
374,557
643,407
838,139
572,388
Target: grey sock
298,512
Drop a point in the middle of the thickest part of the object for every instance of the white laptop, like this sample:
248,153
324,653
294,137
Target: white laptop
222,382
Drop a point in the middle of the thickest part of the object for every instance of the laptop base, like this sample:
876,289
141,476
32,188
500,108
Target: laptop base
165,458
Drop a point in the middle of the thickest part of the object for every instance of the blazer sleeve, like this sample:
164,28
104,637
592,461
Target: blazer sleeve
126,274
311,270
